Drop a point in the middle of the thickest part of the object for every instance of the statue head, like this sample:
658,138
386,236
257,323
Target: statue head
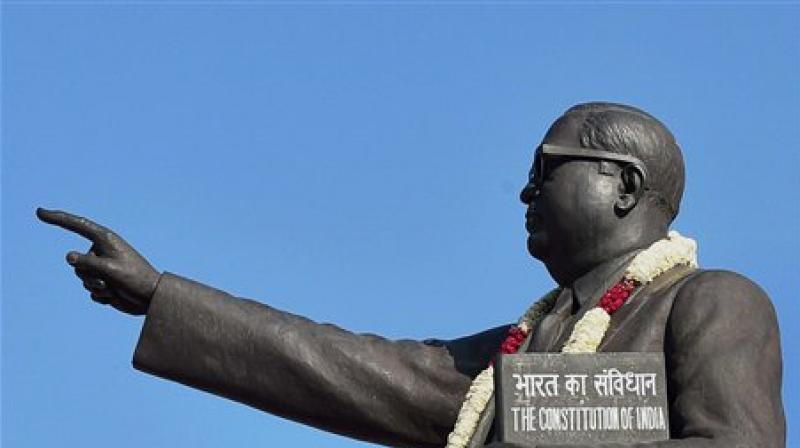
607,179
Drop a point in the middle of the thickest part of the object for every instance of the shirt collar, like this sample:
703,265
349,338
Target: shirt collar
591,285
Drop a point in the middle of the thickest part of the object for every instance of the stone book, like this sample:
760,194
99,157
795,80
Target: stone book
559,398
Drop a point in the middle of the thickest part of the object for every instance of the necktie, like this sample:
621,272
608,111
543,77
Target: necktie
576,304
547,333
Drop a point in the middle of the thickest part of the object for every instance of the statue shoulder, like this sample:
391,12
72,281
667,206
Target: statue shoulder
708,295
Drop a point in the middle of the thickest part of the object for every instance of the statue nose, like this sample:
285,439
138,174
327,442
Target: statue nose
528,193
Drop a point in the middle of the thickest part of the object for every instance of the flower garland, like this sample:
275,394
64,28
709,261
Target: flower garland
482,387
589,331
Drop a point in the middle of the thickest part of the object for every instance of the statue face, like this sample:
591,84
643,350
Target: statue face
571,206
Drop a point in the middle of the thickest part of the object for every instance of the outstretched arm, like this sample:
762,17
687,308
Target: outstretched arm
402,393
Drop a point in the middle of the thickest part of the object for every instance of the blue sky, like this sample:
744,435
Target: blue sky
355,163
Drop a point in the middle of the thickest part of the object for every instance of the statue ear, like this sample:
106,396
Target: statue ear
634,178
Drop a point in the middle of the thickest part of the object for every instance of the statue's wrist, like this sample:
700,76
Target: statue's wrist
148,297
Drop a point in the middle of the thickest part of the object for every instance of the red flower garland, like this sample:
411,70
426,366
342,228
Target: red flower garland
611,301
617,295
516,336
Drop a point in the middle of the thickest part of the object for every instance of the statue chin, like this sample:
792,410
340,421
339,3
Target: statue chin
537,244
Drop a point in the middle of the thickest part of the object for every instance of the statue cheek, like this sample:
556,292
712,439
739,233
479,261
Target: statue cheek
598,197
606,190
592,206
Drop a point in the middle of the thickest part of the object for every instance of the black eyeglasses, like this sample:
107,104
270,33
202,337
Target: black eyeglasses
544,151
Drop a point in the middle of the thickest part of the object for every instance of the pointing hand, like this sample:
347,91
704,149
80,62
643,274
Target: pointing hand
112,271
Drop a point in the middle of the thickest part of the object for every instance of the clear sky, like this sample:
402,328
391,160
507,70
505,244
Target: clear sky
355,163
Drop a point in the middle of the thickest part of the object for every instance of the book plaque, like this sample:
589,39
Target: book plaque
556,398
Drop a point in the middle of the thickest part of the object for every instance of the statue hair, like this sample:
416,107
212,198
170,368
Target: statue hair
628,130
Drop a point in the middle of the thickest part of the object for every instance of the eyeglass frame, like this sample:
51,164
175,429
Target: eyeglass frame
536,177
538,172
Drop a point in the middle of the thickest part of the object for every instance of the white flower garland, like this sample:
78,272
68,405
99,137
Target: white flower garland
482,387
588,333
662,256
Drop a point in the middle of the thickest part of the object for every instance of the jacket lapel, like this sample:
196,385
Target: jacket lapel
635,309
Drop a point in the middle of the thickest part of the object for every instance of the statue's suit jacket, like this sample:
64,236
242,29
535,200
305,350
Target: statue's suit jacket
717,330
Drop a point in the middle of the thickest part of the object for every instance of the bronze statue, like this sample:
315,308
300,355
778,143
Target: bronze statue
605,184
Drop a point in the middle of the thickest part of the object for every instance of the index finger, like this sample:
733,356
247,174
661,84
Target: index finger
78,224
